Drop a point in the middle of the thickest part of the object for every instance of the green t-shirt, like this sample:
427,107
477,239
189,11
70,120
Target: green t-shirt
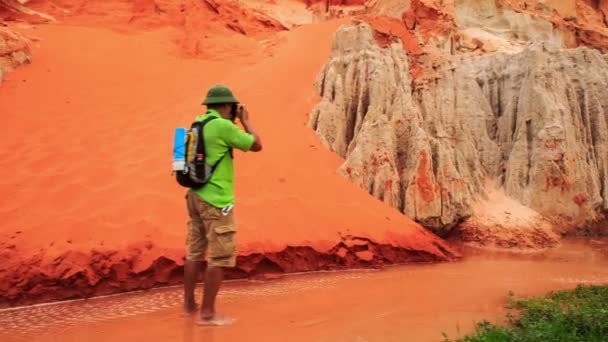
221,135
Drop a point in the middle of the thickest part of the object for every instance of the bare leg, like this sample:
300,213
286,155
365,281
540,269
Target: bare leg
213,280
191,271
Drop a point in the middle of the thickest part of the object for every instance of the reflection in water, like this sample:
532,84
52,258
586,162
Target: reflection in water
36,320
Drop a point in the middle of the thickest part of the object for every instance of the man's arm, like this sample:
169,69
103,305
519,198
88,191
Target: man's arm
243,116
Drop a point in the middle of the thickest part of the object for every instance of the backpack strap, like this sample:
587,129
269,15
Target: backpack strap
201,148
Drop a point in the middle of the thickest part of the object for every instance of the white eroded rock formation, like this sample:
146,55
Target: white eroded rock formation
535,122
14,51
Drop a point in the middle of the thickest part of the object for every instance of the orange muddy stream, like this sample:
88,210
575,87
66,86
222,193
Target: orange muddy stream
402,303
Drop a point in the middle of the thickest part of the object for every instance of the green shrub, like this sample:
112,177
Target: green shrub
564,316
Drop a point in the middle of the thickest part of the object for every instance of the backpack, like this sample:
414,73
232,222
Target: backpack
196,172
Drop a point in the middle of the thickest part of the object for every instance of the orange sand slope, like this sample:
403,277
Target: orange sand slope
89,205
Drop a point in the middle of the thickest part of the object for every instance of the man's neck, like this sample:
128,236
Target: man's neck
217,113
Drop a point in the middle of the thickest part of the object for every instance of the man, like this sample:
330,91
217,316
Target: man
212,222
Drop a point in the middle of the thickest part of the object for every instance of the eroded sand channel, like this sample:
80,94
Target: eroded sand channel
411,302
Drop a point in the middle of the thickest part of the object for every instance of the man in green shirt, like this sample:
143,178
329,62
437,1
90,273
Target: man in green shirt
212,225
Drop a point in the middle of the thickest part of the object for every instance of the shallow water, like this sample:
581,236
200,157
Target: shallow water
401,303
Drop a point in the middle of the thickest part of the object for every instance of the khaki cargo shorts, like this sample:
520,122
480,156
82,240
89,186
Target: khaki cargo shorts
209,227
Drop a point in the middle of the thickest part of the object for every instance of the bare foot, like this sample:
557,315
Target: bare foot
189,308
216,320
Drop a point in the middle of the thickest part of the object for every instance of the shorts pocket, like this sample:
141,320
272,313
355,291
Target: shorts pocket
223,241
211,213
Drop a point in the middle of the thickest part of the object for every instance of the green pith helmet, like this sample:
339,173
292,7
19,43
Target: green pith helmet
220,95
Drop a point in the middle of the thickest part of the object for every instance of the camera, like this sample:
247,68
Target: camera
234,111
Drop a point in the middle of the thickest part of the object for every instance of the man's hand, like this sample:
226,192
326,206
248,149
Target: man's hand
242,113
243,116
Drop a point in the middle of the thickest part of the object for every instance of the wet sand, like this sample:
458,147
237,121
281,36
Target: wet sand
401,303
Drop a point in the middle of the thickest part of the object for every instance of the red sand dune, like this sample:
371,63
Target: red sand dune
89,205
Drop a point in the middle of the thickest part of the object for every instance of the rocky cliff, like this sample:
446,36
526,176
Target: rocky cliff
533,121
14,51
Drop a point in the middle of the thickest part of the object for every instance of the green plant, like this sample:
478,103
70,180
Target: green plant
564,316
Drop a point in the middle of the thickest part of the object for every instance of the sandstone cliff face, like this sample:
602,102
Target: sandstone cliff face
369,116
390,8
534,121
581,22
12,9
549,118
14,51
504,27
